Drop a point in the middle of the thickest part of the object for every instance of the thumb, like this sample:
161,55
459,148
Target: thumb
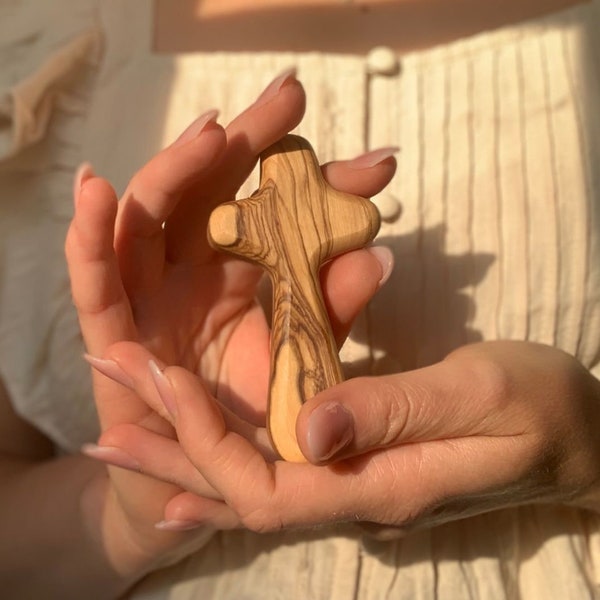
451,399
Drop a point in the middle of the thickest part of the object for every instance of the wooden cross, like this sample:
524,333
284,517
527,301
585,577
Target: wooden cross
291,225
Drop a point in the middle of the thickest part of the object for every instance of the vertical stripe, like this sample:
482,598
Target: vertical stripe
583,60
499,197
571,187
421,205
470,125
589,195
436,320
445,317
526,193
486,261
554,179
512,222
459,270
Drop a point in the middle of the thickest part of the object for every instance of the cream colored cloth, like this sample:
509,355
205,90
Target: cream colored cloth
498,178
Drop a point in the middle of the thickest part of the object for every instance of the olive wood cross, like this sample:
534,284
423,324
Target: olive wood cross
290,226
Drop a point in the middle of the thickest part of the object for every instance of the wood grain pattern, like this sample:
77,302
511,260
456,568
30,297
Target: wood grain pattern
291,226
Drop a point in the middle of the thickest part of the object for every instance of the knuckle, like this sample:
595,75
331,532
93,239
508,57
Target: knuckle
490,380
255,500
400,408
394,409
262,519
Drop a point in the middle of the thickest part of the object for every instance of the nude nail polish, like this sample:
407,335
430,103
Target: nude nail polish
83,173
373,158
385,258
164,388
112,456
196,127
110,369
276,85
176,525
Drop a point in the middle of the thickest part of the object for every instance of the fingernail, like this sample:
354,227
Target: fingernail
175,525
330,429
385,258
373,158
288,76
111,455
83,173
196,127
110,369
164,388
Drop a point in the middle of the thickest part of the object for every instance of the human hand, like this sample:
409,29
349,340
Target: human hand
494,425
134,278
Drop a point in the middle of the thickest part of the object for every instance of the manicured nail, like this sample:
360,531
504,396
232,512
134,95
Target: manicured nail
330,428
164,388
111,455
175,525
196,127
111,369
285,78
373,158
385,258
83,173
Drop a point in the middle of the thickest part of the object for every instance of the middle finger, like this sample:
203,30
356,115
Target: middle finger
278,109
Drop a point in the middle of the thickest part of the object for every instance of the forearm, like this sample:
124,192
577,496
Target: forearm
52,543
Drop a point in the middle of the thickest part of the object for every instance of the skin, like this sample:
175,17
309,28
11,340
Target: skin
522,416
93,528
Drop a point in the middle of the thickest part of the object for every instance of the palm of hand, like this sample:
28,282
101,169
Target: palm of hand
206,318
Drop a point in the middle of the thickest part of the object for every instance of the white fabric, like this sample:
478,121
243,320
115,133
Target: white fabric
498,238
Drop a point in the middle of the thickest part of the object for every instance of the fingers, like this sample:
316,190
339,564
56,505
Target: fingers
137,378
227,461
98,294
350,281
277,111
365,175
136,449
83,173
452,399
154,193
264,496
142,372
189,511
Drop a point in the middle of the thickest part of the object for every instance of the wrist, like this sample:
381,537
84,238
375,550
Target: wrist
129,546
109,533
